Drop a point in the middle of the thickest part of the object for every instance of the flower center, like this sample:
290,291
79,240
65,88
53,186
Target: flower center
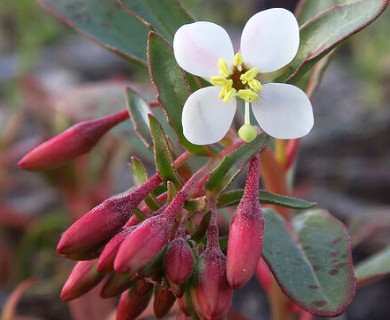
241,81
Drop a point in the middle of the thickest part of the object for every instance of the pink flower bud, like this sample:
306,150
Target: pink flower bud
73,142
142,245
103,221
246,232
83,278
212,295
131,305
107,257
163,300
141,287
178,261
116,284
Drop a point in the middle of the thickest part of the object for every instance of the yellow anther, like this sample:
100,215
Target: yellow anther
229,95
218,81
247,95
237,60
249,75
223,67
255,85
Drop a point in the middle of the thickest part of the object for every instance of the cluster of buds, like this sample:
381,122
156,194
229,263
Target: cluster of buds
166,253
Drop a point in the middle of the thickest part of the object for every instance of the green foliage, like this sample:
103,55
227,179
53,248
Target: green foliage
317,272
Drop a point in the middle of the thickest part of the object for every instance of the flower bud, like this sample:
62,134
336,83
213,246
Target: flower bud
73,142
163,300
131,305
212,295
83,278
107,257
246,232
116,284
103,221
142,245
141,287
178,262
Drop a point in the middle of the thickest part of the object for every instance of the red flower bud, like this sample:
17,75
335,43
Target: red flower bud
99,224
163,300
212,295
142,245
116,284
131,305
246,232
83,278
178,262
107,257
73,142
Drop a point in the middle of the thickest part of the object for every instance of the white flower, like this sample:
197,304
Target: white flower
269,41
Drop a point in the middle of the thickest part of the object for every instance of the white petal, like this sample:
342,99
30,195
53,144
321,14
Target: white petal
270,39
206,118
283,111
198,46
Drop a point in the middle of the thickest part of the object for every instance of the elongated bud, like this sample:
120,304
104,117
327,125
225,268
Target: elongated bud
246,232
141,287
178,262
131,305
73,142
107,257
264,275
212,294
103,221
116,284
163,300
142,245
83,278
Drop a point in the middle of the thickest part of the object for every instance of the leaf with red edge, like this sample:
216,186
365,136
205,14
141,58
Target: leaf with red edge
317,39
164,16
317,272
104,22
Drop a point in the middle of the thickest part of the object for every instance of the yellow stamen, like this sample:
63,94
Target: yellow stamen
237,60
247,95
223,67
218,81
229,95
249,75
255,85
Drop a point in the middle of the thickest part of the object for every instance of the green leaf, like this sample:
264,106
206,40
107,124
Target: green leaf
327,30
307,9
172,88
317,274
140,175
232,164
195,205
138,110
162,155
233,197
104,22
164,16
374,268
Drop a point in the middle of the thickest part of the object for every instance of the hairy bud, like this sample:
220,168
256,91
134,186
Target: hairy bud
83,278
142,245
163,300
178,262
107,257
246,232
131,305
103,221
73,142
